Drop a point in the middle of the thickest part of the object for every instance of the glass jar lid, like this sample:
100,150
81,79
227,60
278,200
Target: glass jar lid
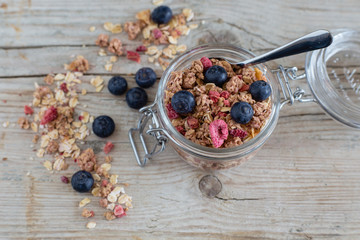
333,75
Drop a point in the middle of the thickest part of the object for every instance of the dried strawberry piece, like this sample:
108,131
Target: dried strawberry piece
141,48
171,112
239,76
64,179
133,56
64,88
238,133
222,114
156,33
81,118
28,110
226,103
92,214
225,94
214,96
192,122
108,147
49,115
218,132
206,62
181,129
119,211
244,88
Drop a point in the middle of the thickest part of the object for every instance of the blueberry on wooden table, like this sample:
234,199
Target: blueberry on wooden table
216,74
136,98
241,112
103,126
260,90
183,102
161,15
117,85
82,181
145,77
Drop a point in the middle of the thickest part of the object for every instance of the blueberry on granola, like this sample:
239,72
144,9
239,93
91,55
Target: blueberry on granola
145,77
241,112
183,102
161,15
103,126
82,181
217,75
260,90
117,85
136,98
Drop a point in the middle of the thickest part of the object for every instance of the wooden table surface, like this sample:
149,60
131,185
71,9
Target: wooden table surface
303,184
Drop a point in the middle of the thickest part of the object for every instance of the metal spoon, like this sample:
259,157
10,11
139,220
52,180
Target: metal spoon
312,41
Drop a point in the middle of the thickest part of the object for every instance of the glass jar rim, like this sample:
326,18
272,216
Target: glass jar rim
218,153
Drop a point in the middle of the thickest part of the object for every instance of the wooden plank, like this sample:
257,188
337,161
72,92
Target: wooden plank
303,184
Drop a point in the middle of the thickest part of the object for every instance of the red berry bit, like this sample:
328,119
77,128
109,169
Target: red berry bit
218,132
28,110
225,94
141,48
171,112
49,115
214,96
192,122
226,103
64,179
108,147
133,56
119,211
222,114
238,133
206,62
104,183
244,88
156,33
64,88
181,129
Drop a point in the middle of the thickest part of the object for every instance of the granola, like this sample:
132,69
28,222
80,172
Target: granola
213,105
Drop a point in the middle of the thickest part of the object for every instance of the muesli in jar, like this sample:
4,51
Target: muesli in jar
216,104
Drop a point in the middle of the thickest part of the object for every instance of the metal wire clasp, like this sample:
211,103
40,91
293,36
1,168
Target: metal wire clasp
154,130
283,75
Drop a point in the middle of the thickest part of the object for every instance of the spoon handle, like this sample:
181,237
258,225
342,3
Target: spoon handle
312,41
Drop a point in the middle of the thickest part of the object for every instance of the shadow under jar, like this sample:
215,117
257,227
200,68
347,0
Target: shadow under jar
154,120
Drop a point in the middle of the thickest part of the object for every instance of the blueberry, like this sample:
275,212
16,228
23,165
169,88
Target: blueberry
145,77
242,112
183,102
103,126
161,15
216,74
136,98
117,85
260,90
82,181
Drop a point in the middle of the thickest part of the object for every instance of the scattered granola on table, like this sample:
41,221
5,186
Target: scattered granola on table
53,118
213,121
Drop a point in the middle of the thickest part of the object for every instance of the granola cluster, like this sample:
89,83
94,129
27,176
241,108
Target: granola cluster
152,34
60,129
214,103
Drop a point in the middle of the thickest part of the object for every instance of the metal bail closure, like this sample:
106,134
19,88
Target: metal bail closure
283,75
154,130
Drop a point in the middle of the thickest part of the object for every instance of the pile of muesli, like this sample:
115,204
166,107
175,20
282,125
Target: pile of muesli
60,132
214,103
152,34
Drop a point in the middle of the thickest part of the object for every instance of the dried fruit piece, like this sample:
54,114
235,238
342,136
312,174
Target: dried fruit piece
64,179
50,115
28,110
218,132
172,114
133,56
64,88
238,133
119,211
141,48
108,147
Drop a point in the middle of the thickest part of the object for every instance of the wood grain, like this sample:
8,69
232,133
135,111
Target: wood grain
303,184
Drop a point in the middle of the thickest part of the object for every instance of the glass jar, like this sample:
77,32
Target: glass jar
326,93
